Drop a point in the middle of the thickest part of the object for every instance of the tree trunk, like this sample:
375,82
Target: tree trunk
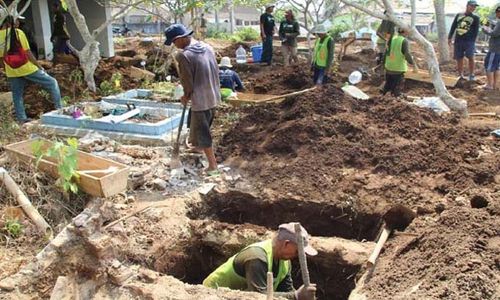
432,61
89,60
217,22
444,50
413,14
231,17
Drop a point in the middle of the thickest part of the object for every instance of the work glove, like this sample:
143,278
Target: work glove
306,293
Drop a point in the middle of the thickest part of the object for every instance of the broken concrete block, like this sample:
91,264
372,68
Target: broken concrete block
141,74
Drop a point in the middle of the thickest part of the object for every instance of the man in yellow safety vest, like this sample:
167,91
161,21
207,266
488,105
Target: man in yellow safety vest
247,270
397,58
322,56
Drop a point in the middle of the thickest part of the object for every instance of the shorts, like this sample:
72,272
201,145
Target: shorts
464,49
492,62
199,128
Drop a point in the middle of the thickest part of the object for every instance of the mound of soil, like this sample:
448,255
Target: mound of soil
277,80
455,256
325,146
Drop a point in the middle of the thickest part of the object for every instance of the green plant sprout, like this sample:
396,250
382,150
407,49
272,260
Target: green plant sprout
13,228
67,162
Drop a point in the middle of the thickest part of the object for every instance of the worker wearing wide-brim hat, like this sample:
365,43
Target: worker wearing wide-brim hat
322,59
230,81
247,270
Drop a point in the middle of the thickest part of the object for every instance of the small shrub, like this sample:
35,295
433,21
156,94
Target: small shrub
13,228
247,34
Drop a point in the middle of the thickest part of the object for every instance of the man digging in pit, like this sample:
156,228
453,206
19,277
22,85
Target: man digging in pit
199,75
247,270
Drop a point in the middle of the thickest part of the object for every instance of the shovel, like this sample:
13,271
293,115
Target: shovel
397,217
175,162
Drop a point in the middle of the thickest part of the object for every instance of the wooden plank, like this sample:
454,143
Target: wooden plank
424,76
255,99
100,184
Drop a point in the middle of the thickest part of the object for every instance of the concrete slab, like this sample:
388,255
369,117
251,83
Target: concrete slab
125,138
139,97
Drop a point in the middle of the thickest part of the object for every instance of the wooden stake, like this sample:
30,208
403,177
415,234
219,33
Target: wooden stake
270,286
25,203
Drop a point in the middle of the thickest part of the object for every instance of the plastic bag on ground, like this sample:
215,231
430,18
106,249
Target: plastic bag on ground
434,103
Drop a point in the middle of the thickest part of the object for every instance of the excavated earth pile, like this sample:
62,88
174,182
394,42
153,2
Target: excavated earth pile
336,164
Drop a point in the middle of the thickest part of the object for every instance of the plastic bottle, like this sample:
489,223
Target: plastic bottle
178,92
241,55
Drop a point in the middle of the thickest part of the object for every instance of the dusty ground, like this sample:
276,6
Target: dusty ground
329,161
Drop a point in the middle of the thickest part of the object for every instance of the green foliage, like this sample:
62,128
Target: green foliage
112,86
336,30
44,94
120,41
213,33
246,34
65,100
14,228
67,162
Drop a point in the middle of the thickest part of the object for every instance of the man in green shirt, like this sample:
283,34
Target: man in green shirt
323,55
247,270
288,32
398,56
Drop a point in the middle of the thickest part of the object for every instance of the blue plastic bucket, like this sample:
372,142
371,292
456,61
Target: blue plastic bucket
256,53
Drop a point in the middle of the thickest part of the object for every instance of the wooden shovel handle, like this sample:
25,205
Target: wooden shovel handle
378,247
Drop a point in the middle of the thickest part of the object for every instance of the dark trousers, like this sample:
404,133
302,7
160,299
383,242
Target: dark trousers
319,76
393,83
267,49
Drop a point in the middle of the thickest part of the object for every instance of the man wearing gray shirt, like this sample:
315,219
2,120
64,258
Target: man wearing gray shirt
199,75
492,59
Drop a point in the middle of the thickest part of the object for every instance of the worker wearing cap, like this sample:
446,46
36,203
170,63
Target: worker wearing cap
229,80
323,55
267,27
60,35
288,32
247,270
465,27
396,62
492,59
199,76
21,24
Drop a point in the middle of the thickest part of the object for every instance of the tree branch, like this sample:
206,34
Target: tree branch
122,11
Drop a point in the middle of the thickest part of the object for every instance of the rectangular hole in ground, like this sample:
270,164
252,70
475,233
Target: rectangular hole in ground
192,261
320,219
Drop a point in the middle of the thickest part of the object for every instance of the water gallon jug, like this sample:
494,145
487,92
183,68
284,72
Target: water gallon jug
241,55
178,92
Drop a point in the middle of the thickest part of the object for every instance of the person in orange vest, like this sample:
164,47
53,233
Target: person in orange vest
323,55
247,270
397,58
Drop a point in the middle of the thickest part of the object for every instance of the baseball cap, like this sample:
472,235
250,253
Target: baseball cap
270,5
287,232
473,3
174,32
